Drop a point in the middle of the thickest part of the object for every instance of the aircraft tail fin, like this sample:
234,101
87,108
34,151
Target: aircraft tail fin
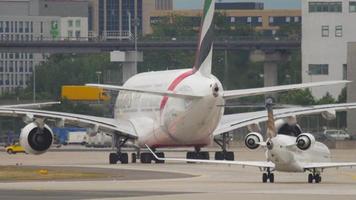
204,54
271,128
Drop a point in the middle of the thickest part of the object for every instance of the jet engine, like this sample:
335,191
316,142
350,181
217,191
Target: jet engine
252,140
305,141
36,140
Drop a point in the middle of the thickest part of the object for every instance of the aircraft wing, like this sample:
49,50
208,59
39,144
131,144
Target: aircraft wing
235,121
328,165
31,105
258,164
233,94
108,125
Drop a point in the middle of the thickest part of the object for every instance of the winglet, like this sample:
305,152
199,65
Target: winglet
153,153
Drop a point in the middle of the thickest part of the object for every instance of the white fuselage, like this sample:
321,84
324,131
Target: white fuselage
288,157
169,121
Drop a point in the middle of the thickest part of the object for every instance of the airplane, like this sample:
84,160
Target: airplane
285,152
173,108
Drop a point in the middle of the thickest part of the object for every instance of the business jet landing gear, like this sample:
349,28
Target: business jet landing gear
197,154
147,157
224,154
314,176
268,176
118,143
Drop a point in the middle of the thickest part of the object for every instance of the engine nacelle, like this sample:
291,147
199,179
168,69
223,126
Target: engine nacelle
35,140
252,140
305,141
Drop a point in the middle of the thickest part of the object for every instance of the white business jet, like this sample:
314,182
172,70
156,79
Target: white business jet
284,153
173,108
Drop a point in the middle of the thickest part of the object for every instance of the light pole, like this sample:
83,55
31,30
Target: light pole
129,20
34,83
98,73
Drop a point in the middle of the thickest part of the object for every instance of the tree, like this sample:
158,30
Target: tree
327,99
343,96
62,70
297,97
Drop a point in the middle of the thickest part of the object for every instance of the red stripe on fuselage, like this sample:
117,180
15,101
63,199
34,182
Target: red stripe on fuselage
173,85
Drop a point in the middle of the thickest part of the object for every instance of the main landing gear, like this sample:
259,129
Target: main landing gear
224,154
197,154
314,176
147,157
118,143
268,176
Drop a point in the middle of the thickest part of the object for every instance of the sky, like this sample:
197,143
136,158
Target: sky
269,4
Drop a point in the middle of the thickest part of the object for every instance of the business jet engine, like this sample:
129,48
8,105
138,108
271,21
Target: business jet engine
253,139
36,140
305,141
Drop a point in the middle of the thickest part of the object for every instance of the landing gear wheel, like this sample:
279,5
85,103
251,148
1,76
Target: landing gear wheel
10,151
146,158
264,178
317,178
219,155
204,155
229,155
310,178
124,158
191,155
160,155
113,158
271,178
133,157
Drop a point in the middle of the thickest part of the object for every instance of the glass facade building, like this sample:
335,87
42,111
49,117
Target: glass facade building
114,15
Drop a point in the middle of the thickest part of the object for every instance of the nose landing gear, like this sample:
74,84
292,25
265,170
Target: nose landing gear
268,176
314,176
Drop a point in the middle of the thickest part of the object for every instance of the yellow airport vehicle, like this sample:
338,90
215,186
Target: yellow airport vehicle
83,93
15,148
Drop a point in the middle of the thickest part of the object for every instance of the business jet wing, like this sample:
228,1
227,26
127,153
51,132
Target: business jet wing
233,94
108,125
310,166
258,164
235,121
145,91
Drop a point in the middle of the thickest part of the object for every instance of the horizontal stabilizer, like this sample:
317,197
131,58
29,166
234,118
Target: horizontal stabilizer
153,92
233,94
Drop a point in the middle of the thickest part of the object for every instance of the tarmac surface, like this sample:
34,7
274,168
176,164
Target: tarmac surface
176,180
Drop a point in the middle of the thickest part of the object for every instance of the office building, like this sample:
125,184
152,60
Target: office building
252,14
351,87
326,28
28,20
115,19
164,4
